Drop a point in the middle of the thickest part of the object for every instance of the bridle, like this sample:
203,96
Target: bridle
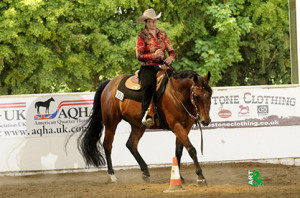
193,101
197,117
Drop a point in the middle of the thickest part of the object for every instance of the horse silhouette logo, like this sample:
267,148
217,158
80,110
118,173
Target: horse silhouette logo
45,104
244,110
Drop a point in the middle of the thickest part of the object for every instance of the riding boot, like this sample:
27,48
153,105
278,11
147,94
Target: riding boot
148,119
151,110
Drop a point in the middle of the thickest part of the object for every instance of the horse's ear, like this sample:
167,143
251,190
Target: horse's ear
195,78
207,77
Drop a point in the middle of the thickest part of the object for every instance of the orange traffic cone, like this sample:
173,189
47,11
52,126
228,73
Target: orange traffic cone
175,183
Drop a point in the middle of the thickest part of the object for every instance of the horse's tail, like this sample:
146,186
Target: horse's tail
89,143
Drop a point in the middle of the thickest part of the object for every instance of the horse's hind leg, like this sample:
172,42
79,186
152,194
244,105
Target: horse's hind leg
107,144
132,144
178,153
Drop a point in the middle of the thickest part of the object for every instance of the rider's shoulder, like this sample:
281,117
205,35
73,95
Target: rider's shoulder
144,35
162,33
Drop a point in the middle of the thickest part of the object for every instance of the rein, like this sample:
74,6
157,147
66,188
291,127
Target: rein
191,115
196,118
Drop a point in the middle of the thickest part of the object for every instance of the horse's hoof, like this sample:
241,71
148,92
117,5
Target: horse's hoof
182,180
201,182
146,178
112,179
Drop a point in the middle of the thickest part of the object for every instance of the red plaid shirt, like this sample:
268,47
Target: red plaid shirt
147,44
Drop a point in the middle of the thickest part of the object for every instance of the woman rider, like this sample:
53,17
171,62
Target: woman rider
150,51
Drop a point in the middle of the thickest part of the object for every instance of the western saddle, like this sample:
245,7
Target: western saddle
133,83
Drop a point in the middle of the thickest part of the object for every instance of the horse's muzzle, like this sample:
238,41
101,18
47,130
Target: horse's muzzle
206,122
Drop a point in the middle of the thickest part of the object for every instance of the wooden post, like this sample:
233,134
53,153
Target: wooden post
293,42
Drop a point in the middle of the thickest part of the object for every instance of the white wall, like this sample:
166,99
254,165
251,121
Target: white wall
33,152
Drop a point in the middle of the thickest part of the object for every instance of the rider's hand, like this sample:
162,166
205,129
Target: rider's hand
169,60
159,54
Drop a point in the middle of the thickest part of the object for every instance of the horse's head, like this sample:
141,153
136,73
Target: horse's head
200,95
52,99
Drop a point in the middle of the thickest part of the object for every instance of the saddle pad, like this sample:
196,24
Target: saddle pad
137,94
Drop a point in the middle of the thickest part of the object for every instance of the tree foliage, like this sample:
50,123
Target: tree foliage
62,45
265,50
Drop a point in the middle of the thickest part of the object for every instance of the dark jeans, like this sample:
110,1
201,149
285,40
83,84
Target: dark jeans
147,77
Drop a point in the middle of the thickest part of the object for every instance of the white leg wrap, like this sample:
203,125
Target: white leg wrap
113,178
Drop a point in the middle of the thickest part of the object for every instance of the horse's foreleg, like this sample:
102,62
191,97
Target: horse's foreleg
132,145
182,136
193,153
178,153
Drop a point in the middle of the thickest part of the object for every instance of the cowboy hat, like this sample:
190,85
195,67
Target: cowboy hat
148,14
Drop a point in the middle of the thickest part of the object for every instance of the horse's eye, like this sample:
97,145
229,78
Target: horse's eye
197,96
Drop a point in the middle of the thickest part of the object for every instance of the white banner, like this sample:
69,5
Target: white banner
230,108
247,107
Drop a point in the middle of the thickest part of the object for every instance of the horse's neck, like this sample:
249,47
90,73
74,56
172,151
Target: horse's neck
182,87
180,97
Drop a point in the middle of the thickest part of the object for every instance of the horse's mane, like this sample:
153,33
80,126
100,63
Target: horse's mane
184,74
189,74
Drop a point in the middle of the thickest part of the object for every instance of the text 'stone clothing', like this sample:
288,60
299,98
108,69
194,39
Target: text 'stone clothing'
146,46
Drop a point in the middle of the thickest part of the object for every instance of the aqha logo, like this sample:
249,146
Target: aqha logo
224,113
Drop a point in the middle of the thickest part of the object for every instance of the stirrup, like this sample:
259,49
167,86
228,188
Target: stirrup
148,122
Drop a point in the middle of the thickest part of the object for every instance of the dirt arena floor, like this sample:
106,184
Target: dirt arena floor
224,180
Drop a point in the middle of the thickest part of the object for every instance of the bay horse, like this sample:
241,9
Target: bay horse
45,104
187,97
